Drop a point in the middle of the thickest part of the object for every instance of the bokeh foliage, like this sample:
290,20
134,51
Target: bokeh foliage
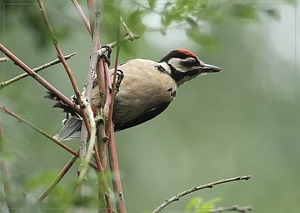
195,17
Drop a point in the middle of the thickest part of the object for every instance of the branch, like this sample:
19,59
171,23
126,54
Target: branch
6,177
64,62
236,208
112,149
37,69
98,66
113,44
130,34
197,188
82,16
40,79
114,166
91,141
19,118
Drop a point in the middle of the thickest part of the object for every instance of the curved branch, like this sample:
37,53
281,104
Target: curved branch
197,188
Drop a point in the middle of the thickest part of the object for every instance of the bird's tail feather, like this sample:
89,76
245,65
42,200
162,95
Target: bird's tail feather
71,129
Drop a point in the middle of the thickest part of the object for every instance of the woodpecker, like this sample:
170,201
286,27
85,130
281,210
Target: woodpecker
145,90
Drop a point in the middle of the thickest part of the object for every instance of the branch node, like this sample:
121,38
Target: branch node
105,139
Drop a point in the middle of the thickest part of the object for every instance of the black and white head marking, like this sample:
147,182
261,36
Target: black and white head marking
183,65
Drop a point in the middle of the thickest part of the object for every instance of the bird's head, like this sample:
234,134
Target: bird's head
183,65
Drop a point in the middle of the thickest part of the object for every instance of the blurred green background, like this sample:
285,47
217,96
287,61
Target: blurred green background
242,121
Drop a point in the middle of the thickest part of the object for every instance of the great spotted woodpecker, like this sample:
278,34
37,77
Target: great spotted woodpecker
146,90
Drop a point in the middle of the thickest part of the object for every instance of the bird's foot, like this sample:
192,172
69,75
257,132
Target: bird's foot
102,51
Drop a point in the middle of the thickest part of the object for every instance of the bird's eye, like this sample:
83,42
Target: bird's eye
189,62
192,60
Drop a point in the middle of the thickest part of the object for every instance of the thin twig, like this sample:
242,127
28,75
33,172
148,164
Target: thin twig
37,69
197,188
236,208
64,62
130,34
92,66
82,15
19,118
112,150
113,44
102,184
40,79
91,10
7,186
57,179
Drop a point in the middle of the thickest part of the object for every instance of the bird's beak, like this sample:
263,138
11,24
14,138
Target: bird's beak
207,68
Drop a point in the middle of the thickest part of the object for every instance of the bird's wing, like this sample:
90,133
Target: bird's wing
145,116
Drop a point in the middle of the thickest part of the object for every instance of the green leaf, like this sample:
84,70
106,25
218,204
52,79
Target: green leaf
244,11
40,180
134,22
194,203
193,24
208,205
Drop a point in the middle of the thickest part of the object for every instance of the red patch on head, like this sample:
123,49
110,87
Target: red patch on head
187,52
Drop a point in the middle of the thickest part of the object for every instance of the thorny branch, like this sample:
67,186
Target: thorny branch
197,188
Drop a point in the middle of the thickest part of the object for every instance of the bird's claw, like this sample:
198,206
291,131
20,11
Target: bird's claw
102,50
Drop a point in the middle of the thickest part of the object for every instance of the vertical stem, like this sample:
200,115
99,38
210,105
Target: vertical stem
112,149
114,166
6,177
